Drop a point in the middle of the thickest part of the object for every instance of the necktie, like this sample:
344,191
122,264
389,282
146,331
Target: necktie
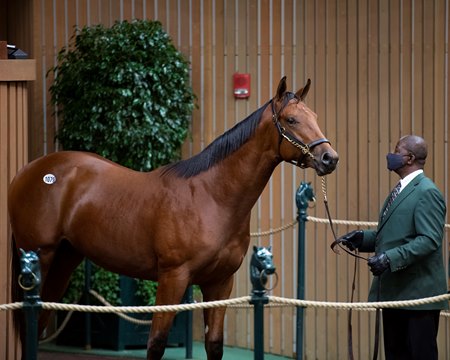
395,191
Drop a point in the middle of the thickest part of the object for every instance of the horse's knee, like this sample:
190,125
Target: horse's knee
155,347
214,349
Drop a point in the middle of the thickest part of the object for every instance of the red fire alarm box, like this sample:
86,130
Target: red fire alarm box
241,85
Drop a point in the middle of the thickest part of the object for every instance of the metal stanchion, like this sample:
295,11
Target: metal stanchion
87,315
30,281
261,265
305,194
189,332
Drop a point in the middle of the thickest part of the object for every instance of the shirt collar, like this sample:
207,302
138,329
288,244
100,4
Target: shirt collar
408,178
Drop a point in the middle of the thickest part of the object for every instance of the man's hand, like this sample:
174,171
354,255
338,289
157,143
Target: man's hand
378,263
353,240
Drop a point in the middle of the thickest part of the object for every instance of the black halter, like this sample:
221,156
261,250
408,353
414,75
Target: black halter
305,148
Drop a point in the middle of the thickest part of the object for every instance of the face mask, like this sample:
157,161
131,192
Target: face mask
394,161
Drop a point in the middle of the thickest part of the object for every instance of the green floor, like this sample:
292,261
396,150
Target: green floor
172,353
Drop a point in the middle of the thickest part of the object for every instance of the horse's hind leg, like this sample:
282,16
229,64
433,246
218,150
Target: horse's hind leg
63,263
214,318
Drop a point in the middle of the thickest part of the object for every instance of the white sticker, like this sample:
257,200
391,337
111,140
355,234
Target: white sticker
49,179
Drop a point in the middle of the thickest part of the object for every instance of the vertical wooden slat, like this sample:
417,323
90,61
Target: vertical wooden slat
417,86
394,69
365,183
406,74
4,316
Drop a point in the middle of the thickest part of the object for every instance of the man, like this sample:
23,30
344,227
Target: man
408,261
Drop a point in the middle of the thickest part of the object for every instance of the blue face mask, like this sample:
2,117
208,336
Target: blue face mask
394,161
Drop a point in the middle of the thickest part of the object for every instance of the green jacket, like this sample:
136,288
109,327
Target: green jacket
411,235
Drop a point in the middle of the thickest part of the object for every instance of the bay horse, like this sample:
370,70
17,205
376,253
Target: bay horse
181,224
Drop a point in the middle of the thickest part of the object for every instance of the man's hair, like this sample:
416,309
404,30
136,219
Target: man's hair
417,146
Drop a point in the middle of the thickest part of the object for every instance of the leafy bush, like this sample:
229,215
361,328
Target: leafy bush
123,93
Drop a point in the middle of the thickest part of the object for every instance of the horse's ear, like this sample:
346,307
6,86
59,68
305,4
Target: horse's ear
281,88
22,252
255,248
270,248
301,94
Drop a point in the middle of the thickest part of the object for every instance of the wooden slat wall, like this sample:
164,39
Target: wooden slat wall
13,156
379,70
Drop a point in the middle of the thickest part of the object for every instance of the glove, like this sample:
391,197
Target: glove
353,240
378,263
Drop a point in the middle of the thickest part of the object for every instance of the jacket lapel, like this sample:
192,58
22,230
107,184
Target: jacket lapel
407,191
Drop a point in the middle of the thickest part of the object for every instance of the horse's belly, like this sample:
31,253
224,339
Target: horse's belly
123,255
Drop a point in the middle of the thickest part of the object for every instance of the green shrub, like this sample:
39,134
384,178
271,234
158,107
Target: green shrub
123,92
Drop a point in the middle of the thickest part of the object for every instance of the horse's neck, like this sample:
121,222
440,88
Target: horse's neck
243,176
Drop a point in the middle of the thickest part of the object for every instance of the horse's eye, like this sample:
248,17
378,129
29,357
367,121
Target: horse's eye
291,121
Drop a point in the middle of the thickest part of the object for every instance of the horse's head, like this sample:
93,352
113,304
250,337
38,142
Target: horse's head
301,140
30,271
261,265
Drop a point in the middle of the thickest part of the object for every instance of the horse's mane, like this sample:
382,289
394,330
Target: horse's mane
219,149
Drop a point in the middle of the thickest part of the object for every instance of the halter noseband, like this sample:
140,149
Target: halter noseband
305,148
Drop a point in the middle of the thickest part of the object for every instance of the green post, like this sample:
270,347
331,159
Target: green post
30,281
189,320
261,266
258,299
87,315
304,195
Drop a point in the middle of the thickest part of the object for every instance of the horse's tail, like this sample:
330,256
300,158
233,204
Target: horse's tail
16,290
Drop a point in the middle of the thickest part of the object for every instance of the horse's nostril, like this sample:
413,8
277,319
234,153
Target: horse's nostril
326,158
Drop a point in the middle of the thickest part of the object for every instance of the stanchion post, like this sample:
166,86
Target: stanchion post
304,195
261,265
189,335
87,315
258,299
30,281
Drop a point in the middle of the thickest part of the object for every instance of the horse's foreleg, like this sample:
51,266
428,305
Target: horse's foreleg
214,318
171,288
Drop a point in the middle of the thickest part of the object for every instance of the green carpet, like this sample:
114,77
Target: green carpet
171,353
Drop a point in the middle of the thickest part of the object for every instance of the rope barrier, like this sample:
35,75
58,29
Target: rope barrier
12,306
233,302
123,316
321,221
274,231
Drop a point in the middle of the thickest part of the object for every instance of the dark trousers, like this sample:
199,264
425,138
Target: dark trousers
410,334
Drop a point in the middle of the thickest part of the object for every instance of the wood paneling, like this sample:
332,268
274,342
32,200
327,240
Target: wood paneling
379,70
13,155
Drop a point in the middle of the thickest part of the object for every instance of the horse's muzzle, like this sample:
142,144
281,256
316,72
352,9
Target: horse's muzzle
327,163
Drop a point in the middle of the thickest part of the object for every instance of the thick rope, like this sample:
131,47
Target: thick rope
123,316
144,309
361,305
59,330
231,302
321,221
12,306
274,231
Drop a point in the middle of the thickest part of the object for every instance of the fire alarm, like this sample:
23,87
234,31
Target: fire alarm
241,85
